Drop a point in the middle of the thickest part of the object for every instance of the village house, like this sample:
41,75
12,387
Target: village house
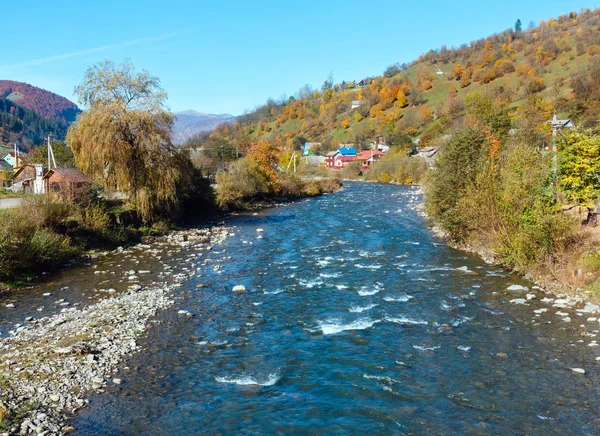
379,144
28,179
367,158
13,159
341,157
66,183
355,104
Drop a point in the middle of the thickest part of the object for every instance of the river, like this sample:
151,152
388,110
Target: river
356,320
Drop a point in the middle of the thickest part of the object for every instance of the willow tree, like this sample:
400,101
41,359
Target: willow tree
122,140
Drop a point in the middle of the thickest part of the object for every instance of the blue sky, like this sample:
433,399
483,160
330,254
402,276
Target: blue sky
230,56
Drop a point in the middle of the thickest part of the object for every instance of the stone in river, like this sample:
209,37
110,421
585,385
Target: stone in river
502,355
117,381
239,288
10,305
517,288
578,370
259,230
464,269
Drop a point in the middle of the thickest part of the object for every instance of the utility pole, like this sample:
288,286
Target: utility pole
556,126
50,154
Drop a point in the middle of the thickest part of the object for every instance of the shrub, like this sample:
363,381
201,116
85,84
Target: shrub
243,181
26,247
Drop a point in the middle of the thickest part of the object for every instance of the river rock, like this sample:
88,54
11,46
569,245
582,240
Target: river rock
517,288
464,269
10,305
259,230
589,308
578,370
117,381
519,301
239,288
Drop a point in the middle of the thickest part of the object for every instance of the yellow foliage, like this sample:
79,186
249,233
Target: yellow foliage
345,124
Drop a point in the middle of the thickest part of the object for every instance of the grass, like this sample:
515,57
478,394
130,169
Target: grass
5,193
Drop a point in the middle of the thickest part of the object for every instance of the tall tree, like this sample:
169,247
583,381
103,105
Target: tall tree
518,26
123,139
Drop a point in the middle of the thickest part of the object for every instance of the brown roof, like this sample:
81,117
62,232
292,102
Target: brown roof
70,174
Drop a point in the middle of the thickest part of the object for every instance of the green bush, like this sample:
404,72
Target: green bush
27,248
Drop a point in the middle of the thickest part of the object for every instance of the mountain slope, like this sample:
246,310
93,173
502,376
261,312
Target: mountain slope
554,67
26,127
190,123
44,103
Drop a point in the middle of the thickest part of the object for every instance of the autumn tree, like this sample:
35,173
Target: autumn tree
123,139
579,170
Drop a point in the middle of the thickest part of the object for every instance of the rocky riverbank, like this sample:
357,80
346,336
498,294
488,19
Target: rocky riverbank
49,365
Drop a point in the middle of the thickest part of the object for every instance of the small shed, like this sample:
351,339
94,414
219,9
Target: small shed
28,179
68,183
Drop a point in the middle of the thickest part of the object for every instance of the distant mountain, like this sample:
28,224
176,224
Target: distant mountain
44,103
190,123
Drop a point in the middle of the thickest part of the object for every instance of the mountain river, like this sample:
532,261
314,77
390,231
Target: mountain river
356,320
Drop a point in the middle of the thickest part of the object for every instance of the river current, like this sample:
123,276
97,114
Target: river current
356,320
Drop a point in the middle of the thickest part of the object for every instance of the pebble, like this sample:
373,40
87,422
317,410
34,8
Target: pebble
239,288
46,294
10,305
578,370
259,230
117,381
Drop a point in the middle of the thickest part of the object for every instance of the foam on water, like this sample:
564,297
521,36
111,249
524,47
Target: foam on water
371,267
399,299
359,309
310,283
330,275
278,291
406,320
248,380
331,327
367,290
426,348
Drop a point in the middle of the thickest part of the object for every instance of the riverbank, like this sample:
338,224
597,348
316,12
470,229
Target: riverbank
49,365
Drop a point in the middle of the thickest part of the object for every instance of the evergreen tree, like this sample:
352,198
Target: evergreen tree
518,26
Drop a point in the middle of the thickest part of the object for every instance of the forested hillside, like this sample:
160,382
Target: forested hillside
551,67
26,127
44,103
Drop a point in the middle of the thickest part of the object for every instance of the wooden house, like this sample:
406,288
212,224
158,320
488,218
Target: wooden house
28,179
340,158
367,158
67,183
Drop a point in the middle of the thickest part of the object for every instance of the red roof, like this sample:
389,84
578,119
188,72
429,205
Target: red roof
367,154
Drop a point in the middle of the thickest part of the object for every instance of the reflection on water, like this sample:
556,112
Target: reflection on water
355,321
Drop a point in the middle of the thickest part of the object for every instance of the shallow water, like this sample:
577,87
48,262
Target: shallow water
356,321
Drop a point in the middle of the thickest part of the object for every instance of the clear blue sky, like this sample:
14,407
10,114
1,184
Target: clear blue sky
230,56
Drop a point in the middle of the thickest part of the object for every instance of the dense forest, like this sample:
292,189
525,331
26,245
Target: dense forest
551,67
44,103
26,126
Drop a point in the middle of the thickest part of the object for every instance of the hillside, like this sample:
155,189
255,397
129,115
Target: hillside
191,123
44,103
554,67
26,126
